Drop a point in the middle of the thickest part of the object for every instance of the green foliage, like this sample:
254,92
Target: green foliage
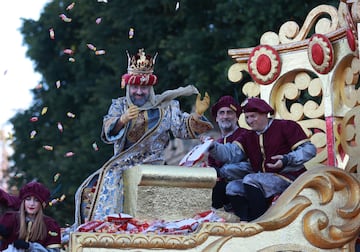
192,43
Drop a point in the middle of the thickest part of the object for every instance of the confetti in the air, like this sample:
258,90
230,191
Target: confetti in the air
98,20
44,110
91,47
131,33
34,119
70,6
54,234
100,52
95,147
177,6
56,177
69,154
71,115
19,175
48,147
60,127
53,202
62,198
39,86
68,51
52,33
65,18
32,134
58,84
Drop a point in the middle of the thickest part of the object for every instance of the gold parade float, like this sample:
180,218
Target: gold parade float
309,74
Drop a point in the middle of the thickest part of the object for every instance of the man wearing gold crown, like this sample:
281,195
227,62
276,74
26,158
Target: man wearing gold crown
138,125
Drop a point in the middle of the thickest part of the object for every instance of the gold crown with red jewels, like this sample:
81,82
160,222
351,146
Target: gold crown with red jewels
141,63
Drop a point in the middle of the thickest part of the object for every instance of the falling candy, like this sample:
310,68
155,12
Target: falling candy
38,86
51,233
53,202
60,127
131,33
58,84
62,197
65,18
56,177
68,51
19,175
70,6
69,154
32,134
103,1
34,119
48,147
95,147
100,52
98,20
71,115
44,110
91,47
52,33
71,59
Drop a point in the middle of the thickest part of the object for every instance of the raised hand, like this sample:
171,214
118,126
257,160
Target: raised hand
202,105
131,113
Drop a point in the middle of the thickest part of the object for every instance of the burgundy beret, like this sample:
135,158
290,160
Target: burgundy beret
255,104
35,189
226,101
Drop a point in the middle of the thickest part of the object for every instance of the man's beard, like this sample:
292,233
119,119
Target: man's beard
139,101
226,125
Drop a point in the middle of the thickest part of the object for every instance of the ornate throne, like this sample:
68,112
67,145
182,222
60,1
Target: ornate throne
314,80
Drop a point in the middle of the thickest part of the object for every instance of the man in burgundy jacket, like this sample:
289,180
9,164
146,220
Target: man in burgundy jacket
276,149
226,112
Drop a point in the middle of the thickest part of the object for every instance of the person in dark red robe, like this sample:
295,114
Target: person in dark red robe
29,229
226,112
276,149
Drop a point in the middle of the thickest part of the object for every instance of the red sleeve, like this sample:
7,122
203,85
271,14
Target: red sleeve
53,239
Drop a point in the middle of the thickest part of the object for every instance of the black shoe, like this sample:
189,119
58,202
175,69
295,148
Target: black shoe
228,208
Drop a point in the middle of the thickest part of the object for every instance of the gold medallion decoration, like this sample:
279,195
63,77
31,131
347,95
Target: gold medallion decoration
264,64
321,53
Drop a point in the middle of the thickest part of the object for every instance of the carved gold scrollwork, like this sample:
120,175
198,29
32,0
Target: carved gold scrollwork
235,75
291,91
309,114
350,137
337,190
349,94
325,231
290,31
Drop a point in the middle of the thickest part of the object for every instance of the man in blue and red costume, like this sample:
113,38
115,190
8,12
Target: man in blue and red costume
226,112
138,126
277,150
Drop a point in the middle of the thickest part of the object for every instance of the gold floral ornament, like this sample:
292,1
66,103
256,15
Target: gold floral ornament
264,64
321,53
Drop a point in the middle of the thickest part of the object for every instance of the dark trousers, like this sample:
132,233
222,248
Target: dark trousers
250,207
219,197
